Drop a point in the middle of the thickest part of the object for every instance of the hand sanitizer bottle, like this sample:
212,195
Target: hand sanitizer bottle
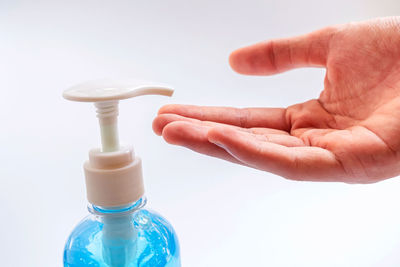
119,232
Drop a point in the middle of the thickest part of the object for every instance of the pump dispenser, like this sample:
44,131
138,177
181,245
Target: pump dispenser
120,232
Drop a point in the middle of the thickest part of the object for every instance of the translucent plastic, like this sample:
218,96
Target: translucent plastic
124,237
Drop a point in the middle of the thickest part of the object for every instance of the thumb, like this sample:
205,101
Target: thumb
279,55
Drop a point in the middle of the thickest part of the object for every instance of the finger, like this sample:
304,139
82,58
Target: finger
264,134
163,120
194,137
297,163
243,117
284,140
279,55
258,130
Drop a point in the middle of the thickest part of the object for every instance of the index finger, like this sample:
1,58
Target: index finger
243,117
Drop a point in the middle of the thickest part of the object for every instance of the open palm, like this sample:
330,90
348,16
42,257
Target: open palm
351,133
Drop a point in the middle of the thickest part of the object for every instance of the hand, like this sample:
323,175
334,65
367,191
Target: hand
351,133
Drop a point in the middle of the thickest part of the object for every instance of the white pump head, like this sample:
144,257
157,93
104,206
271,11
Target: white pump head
113,174
106,95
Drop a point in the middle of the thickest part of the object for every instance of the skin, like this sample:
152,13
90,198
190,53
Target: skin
351,133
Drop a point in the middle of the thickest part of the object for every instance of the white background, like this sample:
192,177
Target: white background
225,215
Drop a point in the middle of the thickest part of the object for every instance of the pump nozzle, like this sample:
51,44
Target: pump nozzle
106,95
114,174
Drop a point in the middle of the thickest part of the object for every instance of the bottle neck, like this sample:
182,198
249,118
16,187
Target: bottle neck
117,211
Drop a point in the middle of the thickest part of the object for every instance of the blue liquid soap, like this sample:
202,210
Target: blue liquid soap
129,236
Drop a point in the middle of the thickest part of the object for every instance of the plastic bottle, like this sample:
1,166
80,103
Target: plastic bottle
119,232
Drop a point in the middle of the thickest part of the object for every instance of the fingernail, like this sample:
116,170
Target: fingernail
218,144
